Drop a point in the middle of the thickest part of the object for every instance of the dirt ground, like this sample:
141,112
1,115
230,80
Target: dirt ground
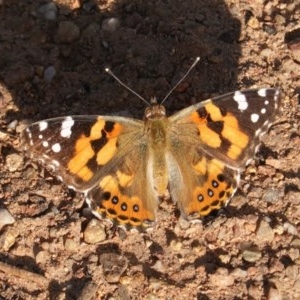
52,60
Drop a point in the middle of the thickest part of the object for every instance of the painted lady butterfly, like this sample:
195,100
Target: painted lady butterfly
124,166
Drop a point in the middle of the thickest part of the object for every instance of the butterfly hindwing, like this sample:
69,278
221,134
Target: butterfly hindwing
203,187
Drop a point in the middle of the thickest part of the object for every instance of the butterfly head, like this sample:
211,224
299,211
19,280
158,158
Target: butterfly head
155,111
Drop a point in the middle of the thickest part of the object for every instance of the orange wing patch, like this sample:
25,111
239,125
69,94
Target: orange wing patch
123,209
217,188
216,126
100,145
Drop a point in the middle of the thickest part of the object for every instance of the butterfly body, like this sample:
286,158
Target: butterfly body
125,166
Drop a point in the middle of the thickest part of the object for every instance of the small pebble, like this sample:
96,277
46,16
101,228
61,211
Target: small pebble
159,267
50,6
271,195
113,265
51,15
221,278
53,232
67,33
8,239
14,162
41,257
155,284
292,272
49,74
89,292
110,25
296,243
94,232
239,273
5,218
93,258
45,246
264,232
274,294
151,297
183,223
175,245
12,125
252,254
91,31
71,245
291,229
267,52
253,23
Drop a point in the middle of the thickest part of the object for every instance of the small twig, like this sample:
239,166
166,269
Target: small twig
26,275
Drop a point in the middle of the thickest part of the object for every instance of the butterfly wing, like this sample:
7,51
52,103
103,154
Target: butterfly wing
104,157
218,137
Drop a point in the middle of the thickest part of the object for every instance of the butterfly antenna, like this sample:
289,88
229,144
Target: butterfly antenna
126,86
185,75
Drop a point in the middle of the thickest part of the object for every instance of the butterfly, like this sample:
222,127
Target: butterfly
126,166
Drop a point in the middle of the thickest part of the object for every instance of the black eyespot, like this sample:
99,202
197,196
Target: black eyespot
106,195
205,208
200,198
221,177
122,218
214,184
215,203
111,212
135,220
221,194
124,206
136,208
210,193
115,200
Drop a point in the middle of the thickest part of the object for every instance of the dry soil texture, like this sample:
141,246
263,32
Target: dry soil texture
52,57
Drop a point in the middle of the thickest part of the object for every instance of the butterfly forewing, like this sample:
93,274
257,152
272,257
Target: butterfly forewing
78,148
229,127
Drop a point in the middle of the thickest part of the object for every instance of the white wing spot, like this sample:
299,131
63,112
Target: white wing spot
241,99
56,148
45,144
40,136
254,118
262,92
43,125
267,102
263,111
66,127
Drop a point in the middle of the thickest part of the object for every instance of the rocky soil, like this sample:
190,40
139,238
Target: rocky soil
52,60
